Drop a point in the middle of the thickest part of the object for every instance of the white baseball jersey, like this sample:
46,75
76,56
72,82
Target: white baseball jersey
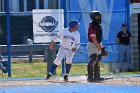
69,39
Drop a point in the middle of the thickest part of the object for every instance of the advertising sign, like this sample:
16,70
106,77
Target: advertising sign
46,24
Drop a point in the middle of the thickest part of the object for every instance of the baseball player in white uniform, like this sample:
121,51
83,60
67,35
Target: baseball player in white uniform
70,42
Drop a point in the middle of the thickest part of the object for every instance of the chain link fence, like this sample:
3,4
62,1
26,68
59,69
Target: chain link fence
29,59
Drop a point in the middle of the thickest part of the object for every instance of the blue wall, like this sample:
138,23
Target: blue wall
114,13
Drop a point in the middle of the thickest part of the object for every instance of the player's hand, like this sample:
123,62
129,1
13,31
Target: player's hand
73,49
51,45
99,47
104,52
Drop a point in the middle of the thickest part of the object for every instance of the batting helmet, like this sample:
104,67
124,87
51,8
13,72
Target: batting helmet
73,23
93,14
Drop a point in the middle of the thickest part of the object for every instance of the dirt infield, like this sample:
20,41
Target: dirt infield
131,81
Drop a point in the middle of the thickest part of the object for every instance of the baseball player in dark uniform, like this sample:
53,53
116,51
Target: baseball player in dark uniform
94,47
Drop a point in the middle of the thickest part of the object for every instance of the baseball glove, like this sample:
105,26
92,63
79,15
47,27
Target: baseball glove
104,52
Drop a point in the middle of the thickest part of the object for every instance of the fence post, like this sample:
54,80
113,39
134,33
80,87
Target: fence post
30,43
8,37
49,59
45,53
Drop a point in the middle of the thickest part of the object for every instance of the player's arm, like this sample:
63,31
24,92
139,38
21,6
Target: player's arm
99,46
76,47
117,40
52,43
77,44
92,33
130,37
59,35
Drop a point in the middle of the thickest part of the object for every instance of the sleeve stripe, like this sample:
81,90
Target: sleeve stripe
92,35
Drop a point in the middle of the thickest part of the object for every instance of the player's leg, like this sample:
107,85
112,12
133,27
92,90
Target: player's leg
69,56
128,58
92,52
68,68
91,65
97,68
121,57
56,62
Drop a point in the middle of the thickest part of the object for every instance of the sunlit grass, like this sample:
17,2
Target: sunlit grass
39,69
25,69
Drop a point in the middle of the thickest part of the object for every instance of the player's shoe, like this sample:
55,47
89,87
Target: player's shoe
91,80
48,76
100,79
65,78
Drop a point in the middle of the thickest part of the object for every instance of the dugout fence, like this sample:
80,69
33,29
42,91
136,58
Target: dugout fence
29,59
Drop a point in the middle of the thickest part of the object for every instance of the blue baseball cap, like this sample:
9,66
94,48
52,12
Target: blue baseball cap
124,25
73,23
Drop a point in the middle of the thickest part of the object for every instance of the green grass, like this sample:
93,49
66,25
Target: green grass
39,69
25,69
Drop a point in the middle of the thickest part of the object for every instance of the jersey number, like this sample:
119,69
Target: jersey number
71,43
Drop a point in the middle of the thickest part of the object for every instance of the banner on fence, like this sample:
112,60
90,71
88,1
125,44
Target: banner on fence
82,54
111,23
46,24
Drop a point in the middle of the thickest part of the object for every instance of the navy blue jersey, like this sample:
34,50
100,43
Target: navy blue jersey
124,37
